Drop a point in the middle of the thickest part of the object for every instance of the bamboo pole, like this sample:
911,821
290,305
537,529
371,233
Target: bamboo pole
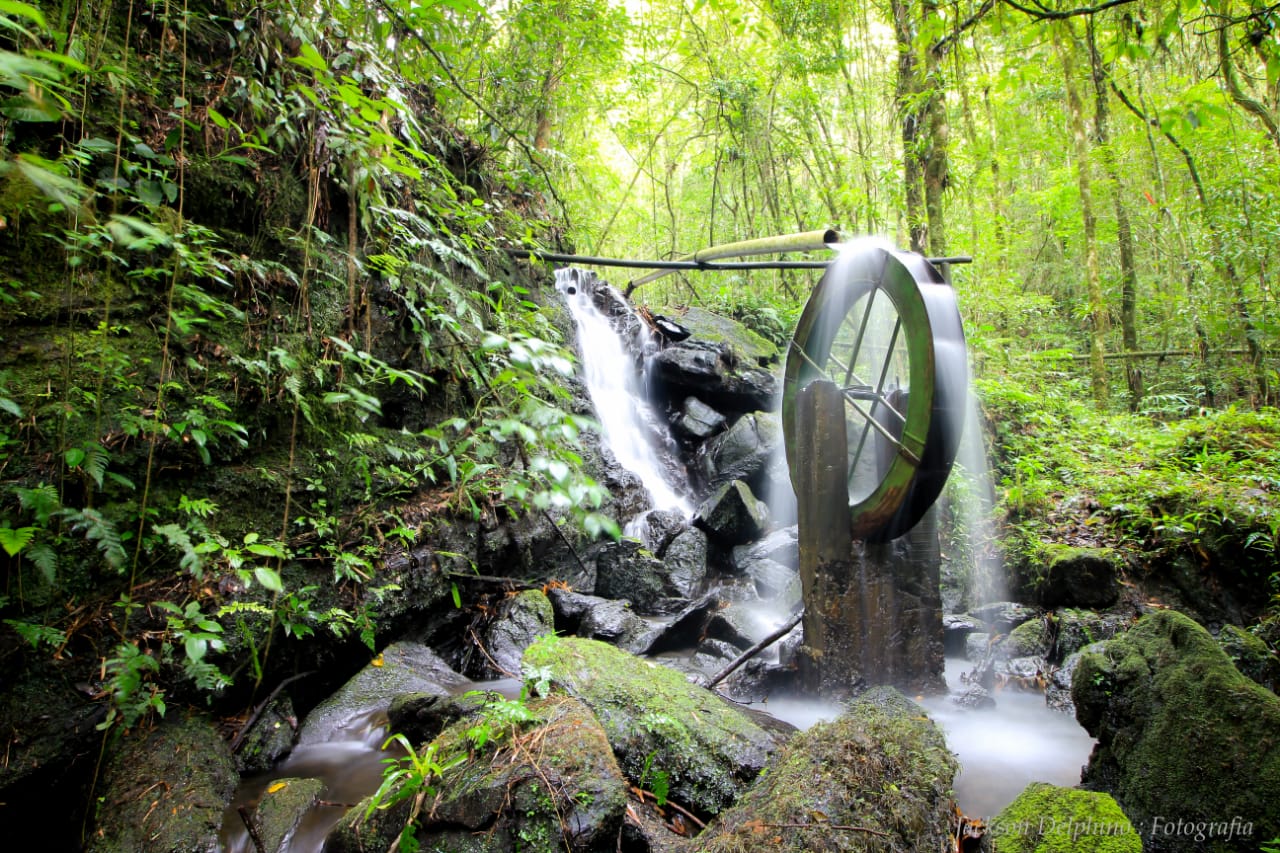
805,241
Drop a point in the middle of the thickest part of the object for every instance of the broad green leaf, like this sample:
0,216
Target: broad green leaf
14,540
269,578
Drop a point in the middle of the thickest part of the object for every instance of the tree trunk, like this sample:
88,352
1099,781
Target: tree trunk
907,95
1124,229
1093,279
936,164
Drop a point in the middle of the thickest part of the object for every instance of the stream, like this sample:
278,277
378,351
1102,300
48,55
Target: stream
1000,750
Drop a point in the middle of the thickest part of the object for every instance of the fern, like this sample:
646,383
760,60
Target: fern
43,558
42,502
13,540
99,529
176,536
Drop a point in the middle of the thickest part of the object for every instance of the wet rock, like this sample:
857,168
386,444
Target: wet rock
781,546
741,624
1251,656
519,621
407,667
835,775
270,739
283,806
597,618
757,680
1078,628
956,629
657,722
1057,691
49,723
656,528
697,420
732,515
775,581
567,794
977,646
422,716
625,570
973,698
166,790
746,452
1047,818
713,654
712,373
1025,672
685,562
1065,576
748,347
688,627
1031,638
1003,616
1182,735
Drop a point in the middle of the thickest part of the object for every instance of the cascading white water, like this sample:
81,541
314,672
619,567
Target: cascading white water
617,394
975,506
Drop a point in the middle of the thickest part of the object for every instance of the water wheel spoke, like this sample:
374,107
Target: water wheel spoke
857,341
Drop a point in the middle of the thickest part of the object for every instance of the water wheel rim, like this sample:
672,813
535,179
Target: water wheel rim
930,322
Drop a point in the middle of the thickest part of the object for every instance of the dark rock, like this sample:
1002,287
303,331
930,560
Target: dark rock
1065,576
407,667
1048,818
569,794
697,420
956,629
757,680
973,698
1057,691
1003,616
688,627
270,739
1078,628
597,618
422,716
625,570
519,621
166,790
685,562
749,451
781,546
775,581
657,722
1182,736
656,528
283,806
711,373
741,623
731,515
1025,672
56,721
835,775
1251,656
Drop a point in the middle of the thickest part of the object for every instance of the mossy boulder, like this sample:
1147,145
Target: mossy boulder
1059,575
545,779
1078,628
659,725
1184,740
284,804
1030,639
1251,656
882,767
165,790
519,621
1050,819
747,346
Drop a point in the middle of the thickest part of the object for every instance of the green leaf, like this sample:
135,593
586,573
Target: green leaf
309,57
218,118
13,541
269,578
22,10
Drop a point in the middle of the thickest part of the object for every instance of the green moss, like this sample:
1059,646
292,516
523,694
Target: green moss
1048,819
1181,733
883,766
1028,639
656,721
751,348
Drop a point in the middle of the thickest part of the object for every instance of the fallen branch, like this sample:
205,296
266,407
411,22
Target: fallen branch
756,649
238,740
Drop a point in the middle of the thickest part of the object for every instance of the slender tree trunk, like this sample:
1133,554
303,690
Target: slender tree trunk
936,165
907,95
1093,279
1124,229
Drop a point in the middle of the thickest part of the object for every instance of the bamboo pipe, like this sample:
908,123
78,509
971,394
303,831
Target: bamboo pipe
805,241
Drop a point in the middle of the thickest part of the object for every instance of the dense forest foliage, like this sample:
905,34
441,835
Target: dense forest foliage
256,299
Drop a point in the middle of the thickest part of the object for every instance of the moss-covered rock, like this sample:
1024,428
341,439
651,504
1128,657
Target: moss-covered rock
520,620
1049,819
876,779
1030,639
1078,628
283,806
1251,655
1185,742
747,346
548,783
1059,575
659,725
165,790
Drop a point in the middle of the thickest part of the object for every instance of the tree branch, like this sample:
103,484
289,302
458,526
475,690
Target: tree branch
462,90
1044,13
1237,92
944,44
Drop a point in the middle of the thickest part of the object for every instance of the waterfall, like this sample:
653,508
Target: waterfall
617,390
984,581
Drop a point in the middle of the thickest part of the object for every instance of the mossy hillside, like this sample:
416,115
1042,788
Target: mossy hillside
659,725
882,766
1182,734
1049,819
